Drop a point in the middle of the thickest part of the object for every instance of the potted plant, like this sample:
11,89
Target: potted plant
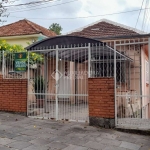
39,88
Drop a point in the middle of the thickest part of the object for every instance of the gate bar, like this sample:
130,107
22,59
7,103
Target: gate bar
56,97
45,79
89,60
66,48
3,64
134,43
149,64
28,85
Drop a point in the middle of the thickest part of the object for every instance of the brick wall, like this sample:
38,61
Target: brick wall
13,95
101,101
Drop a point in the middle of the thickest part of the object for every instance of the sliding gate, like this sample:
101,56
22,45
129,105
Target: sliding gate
57,83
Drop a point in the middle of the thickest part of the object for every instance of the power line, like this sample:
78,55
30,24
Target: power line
31,4
144,17
25,5
139,14
45,6
34,2
86,16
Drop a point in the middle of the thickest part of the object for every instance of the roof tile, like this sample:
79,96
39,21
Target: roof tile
24,27
105,28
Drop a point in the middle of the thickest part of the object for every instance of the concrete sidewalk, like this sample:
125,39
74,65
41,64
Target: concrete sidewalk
21,133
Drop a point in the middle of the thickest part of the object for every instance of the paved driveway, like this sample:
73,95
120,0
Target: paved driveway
21,133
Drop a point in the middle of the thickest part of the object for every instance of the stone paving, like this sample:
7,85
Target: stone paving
21,133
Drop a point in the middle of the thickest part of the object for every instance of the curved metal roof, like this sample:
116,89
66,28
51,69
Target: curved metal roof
65,43
62,41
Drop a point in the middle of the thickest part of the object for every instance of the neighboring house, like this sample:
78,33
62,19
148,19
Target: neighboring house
131,44
24,32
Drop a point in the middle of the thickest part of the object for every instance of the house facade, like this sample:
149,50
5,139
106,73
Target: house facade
130,42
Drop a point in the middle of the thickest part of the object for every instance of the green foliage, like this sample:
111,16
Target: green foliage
12,49
4,46
56,28
36,58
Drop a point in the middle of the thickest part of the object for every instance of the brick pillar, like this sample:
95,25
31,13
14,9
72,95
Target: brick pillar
101,102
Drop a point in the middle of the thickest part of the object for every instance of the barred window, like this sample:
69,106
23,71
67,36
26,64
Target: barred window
100,69
147,72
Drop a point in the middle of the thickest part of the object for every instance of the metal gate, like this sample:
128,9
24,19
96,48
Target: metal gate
57,87
132,91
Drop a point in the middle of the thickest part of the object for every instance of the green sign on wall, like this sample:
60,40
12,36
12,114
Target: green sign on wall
20,61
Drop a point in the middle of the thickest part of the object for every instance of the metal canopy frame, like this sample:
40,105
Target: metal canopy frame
67,44
62,42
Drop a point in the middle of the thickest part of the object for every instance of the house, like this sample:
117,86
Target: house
24,32
116,51
132,43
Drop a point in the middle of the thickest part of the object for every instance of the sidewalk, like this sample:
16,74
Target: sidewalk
21,133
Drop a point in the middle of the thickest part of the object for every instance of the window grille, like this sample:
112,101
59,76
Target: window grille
104,69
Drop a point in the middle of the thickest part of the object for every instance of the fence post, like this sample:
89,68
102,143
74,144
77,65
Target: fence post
115,82
89,60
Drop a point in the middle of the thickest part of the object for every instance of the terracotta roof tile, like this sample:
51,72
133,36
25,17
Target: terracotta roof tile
24,27
105,28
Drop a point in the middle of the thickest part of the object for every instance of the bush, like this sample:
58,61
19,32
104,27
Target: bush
10,50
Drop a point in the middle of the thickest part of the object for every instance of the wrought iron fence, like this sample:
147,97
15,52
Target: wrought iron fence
7,66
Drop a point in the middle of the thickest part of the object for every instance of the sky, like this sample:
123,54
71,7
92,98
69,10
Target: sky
56,11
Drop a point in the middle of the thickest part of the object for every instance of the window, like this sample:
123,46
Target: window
147,72
100,69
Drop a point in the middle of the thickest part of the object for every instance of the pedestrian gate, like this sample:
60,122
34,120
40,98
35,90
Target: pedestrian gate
57,87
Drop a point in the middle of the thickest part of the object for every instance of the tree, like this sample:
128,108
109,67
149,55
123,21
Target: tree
3,9
56,28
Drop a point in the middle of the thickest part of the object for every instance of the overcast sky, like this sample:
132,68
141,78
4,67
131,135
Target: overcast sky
80,8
